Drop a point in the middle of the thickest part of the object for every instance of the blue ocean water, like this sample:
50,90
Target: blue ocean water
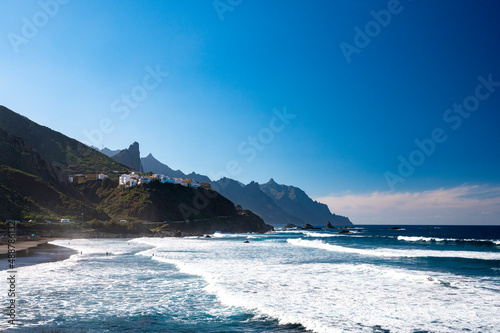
373,279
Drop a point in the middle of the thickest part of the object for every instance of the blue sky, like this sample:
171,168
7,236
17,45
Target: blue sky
329,96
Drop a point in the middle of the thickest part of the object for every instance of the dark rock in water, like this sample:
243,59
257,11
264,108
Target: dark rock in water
308,226
246,241
345,232
290,226
395,228
208,236
330,226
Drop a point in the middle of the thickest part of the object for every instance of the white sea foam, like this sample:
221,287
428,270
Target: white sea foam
222,235
91,286
328,297
437,239
96,246
273,278
494,241
424,239
385,252
288,231
316,234
319,234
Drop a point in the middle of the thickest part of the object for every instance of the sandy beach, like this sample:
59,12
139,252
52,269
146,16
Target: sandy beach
33,251
23,243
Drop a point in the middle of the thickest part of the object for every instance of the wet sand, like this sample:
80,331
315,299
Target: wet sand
24,243
34,252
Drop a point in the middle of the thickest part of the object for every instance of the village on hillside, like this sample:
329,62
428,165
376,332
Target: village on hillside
136,178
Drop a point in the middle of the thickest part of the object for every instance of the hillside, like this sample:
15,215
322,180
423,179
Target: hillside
156,201
276,204
17,155
25,196
31,187
35,164
54,147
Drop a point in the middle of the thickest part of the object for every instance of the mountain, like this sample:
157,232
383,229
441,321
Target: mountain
130,157
57,149
251,197
199,178
296,202
32,187
276,204
108,152
34,167
161,202
149,163
25,196
18,156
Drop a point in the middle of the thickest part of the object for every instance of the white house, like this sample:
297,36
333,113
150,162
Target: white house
167,179
134,179
101,176
135,175
144,180
124,179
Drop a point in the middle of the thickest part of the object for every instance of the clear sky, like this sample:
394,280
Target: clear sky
388,111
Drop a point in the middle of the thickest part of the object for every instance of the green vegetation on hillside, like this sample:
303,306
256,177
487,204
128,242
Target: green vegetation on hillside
156,201
56,147
35,165
25,196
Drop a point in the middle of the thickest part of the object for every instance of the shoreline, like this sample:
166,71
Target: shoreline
25,244
33,255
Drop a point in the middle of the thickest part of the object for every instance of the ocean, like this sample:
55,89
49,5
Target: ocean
373,279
